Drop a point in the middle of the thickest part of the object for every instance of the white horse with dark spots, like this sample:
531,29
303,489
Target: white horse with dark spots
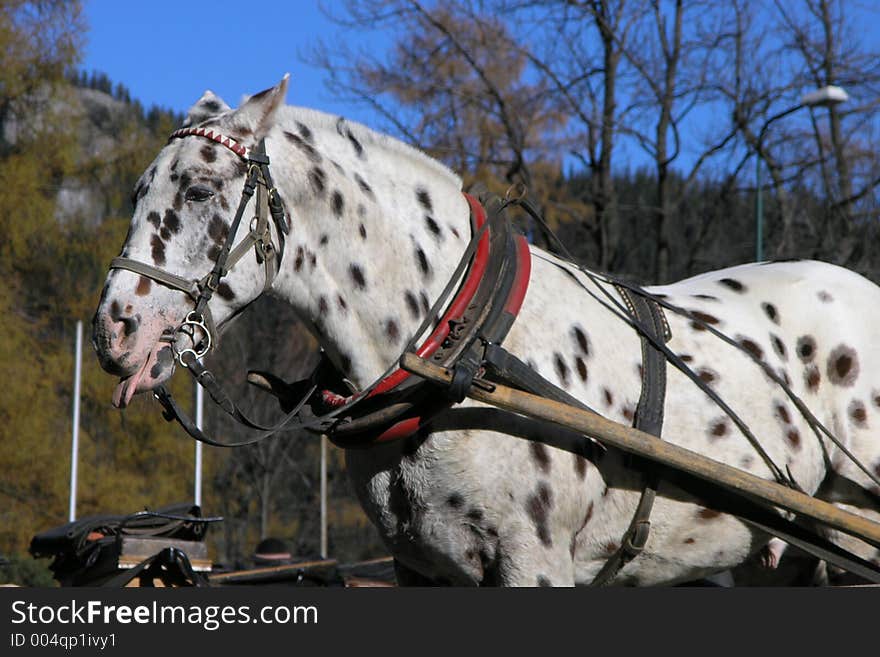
484,496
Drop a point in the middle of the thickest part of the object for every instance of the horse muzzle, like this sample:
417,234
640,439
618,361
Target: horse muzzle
133,350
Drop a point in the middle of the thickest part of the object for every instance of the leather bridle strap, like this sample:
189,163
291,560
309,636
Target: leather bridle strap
259,237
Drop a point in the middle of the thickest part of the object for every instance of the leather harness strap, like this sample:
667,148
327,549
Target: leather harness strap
648,418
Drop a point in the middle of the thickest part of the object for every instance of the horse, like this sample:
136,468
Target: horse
483,496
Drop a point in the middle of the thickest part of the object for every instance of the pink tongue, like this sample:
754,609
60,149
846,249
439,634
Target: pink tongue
125,390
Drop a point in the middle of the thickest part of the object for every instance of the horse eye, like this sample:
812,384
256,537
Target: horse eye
198,193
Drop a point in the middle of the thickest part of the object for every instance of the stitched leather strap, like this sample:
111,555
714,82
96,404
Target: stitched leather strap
648,418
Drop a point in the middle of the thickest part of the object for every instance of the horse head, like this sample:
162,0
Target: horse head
184,205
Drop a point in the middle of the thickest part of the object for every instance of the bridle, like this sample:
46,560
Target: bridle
199,323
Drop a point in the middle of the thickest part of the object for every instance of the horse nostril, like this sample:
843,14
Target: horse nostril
129,324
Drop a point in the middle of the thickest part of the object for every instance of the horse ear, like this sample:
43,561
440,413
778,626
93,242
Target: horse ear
206,107
257,113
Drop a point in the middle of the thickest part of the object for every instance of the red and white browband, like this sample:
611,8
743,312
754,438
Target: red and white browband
223,140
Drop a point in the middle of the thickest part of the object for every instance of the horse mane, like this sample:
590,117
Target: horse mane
368,137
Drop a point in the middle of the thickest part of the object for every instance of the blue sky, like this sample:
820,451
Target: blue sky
167,53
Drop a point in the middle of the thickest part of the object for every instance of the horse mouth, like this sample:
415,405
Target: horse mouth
157,367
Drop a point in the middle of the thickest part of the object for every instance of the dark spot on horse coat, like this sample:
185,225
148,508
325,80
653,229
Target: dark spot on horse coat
208,153
365,187
543,581
474,514
561,368
582,340
218,229
812,377
707,514
825,297
718,428
171,221
581,368
426,304
318,180
392,331
355,144
455,501
701,319
806,348
154,218
224,203
876,398
540,455
178,201
214,252
343,306
843,366
304,131
225,292
629,412
751,346
424,198
165,234
705,297
781,413
338,203
733,284
778,346
324,239
143,286
412,304
164,360
357,275
858,413
609,397
363,231
158,250
538,508
300,257
433,226
706,375
304,146
771,312
322,305
793,436
422,260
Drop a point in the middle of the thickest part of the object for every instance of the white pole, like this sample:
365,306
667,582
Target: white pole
74,443
200,407
323,497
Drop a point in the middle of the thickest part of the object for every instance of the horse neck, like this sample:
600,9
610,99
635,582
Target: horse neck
377,230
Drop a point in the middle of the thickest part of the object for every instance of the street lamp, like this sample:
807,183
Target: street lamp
824,97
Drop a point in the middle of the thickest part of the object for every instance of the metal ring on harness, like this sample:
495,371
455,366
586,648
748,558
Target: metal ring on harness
197,321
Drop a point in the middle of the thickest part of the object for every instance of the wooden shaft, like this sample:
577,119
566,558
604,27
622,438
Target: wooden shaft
647,446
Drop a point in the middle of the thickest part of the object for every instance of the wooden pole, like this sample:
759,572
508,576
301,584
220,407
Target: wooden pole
647,446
